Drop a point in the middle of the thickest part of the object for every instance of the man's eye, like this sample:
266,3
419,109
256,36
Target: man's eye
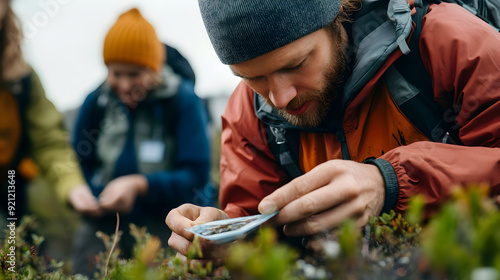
295,68
254,79
298,66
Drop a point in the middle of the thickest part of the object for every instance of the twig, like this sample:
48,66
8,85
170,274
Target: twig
114,243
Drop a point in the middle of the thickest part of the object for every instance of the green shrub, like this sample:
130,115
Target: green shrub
454,244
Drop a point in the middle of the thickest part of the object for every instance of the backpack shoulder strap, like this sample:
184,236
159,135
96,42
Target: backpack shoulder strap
179,64
420,108
22,90
283,143
487,10
98,106
280,142
88,122
169,110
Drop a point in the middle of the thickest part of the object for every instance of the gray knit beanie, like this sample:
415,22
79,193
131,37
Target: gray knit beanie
241,30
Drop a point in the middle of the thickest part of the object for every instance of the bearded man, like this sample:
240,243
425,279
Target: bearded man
326,125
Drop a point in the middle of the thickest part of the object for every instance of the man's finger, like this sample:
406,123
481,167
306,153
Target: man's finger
211,251
325,221
316,178
179,225
179,243
209,214
317,201
189,211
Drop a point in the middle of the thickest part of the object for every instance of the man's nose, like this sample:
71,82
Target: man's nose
281,90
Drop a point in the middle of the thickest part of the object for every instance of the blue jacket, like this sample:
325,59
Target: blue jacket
180,176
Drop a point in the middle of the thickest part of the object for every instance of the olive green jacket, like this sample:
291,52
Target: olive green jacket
48,142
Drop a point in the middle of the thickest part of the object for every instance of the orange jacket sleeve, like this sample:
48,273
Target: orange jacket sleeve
248,170
462,55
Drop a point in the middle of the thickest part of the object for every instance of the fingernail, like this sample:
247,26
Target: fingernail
267,207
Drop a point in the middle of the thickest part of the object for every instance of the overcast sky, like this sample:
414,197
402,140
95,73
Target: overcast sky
64,38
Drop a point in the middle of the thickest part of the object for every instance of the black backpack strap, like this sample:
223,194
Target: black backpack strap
170,112
98,108
422,110
487,10
280,144
22,90
179,64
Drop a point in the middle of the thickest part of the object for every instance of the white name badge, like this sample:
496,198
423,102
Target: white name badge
151,151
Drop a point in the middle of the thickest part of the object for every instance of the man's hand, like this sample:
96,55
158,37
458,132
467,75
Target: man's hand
186,216
121,193
83,201
321,199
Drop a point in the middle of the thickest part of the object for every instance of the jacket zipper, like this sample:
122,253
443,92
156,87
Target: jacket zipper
342,138
343,144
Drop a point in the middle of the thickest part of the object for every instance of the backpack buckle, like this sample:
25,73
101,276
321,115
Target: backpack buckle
279,134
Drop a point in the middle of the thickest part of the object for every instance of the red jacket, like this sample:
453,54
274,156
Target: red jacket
461,54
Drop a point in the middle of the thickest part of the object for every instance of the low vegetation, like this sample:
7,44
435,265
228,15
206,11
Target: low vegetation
461,241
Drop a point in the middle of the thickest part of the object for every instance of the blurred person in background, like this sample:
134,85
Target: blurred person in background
141,138
32,136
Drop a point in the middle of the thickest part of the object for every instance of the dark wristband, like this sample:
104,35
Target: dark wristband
390,181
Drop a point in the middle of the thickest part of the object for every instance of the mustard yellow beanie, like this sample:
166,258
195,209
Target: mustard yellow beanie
132,39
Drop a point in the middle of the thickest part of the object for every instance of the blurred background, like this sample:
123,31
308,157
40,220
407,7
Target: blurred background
64,39
63,42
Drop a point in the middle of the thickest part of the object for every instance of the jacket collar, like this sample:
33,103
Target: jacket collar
377,30
168,87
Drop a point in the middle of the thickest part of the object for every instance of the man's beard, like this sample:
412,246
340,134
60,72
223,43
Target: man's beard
333,78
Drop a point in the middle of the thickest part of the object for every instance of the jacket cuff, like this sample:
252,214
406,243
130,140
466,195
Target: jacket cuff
390,180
